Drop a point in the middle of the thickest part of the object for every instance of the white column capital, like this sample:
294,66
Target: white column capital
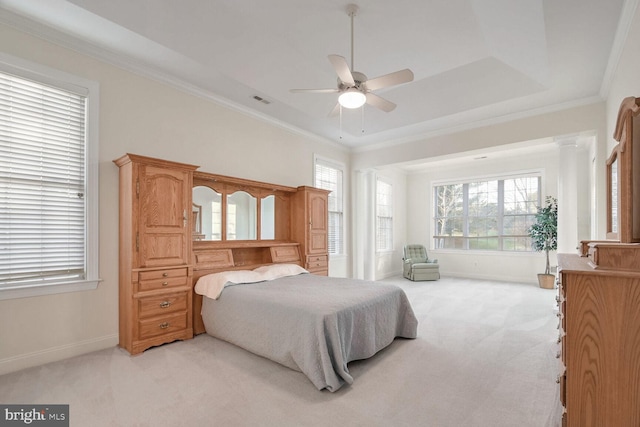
570,141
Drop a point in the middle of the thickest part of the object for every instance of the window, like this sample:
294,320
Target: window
486,214
384,216
328,176
48,181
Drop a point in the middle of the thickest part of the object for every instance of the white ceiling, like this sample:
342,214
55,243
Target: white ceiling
474,60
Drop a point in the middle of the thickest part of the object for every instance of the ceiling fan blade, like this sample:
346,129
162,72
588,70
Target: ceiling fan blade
392,79
314,90
381,103
342,69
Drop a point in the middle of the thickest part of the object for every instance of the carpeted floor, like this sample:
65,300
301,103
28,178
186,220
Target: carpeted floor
485,356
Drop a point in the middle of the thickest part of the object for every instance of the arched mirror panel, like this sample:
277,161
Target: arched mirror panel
268,218
207,214
242,217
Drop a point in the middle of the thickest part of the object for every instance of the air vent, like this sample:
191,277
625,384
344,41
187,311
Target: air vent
261,99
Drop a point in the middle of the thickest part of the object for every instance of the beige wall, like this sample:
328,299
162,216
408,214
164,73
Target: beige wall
141,116
626,80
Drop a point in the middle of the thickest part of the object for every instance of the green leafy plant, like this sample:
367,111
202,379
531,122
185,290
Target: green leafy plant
544,233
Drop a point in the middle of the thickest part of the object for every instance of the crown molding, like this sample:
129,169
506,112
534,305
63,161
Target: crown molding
624,26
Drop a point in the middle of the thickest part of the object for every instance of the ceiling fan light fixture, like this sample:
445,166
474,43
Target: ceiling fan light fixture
352,98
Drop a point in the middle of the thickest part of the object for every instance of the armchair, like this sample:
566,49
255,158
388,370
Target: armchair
417,265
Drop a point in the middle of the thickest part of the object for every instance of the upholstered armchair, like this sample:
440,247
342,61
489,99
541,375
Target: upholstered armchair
417,265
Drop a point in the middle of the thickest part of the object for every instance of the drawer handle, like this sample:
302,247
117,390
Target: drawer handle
164,325
558,355
165,304
165,274
558,380
165,283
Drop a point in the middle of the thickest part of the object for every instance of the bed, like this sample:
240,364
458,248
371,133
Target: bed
312,324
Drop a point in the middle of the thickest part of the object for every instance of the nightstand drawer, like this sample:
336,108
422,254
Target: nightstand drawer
163,274
315,262
162,325
162,304
162,279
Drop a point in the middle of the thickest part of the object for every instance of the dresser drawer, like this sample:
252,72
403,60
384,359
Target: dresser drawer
162,304
162,279
156,326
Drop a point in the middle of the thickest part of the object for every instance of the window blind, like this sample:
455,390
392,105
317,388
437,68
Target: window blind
384,216
330,178
42,183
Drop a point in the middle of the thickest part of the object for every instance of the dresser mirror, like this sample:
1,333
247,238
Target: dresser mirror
623,176
612,195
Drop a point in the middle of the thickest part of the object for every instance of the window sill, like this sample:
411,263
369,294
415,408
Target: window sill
50,289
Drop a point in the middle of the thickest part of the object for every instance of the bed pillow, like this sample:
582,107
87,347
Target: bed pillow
275,271
212,285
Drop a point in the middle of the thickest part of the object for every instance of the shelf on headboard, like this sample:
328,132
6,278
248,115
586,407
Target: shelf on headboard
240,255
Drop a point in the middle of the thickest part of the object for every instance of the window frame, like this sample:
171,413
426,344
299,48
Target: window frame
500,209
49,76
318,160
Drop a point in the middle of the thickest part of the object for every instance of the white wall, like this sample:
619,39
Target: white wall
139,115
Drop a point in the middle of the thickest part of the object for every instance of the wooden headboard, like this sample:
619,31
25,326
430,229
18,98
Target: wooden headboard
299,234
214,257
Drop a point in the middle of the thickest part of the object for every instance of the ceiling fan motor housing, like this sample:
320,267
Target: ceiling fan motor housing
360,80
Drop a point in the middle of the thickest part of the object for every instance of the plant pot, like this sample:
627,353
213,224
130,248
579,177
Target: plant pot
546,281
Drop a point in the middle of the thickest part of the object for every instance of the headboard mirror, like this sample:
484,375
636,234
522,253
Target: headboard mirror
234,209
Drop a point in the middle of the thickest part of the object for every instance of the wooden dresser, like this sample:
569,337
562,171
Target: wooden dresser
600,343
309,226
599,299
155,252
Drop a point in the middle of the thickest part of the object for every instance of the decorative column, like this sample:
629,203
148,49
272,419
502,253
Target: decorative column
364,228
567,193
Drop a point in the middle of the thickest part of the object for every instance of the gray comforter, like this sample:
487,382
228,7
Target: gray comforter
312,324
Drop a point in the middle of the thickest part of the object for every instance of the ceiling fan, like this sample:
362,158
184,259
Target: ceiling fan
354,88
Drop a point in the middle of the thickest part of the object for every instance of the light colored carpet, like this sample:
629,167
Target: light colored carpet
484,356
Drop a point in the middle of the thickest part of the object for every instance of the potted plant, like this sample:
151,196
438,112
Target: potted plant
544,235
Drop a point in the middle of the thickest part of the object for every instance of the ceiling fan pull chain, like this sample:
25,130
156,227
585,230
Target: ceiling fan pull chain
340,121
362,119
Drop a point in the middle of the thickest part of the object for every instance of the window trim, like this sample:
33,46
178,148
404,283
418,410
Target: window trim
527,173
341,167
91,89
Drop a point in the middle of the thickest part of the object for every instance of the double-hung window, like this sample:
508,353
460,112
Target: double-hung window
328,176
384,216
48,181
486,214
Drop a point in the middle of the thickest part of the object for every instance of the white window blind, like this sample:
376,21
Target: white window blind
42,184
384,216
329,177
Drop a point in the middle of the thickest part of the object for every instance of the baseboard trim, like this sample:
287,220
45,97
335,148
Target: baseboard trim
54,354
493,277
